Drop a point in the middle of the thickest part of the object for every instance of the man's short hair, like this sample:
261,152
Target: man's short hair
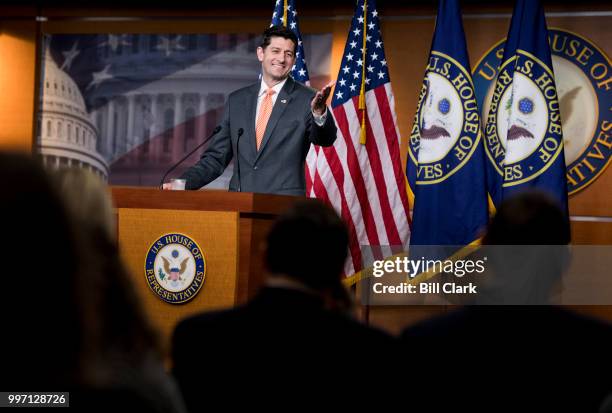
534,231
278,31
529,218
308,243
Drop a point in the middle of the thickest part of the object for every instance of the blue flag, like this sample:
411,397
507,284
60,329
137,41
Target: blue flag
523,137
285,14
446,164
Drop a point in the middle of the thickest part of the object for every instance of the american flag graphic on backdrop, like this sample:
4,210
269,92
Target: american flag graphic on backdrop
361,175
153,97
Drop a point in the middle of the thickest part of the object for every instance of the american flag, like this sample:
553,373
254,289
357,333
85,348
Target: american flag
364,180
285,14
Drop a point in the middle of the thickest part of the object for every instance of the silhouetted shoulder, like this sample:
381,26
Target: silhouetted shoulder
511,322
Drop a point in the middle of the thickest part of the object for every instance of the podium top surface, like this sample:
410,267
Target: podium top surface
206,200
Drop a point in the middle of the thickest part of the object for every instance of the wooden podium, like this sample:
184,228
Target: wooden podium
229,227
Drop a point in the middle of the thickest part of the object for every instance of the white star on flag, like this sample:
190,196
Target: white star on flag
99,77
114,41
69,56
168,45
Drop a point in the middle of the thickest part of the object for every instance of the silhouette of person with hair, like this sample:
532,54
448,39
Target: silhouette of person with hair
128,358
60,331
46,338
292,332
520,355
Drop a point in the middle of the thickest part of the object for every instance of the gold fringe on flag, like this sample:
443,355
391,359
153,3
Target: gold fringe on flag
362,104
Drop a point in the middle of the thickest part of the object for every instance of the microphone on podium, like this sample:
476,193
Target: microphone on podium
240,132
214,132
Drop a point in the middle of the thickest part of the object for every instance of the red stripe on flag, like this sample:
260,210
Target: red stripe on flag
356,174
315,173
380,184
321,192
393,142
308,179
338,173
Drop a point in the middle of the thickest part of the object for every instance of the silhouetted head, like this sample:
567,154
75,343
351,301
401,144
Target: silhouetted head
529,218
526,244
309,243
122,327
40,262
87,198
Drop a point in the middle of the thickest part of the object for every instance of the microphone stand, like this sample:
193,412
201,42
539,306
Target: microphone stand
240,132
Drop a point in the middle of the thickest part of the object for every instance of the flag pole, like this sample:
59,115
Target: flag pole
365,307
285,13
362,105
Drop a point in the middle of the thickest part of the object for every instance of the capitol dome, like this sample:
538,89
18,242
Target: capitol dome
67,136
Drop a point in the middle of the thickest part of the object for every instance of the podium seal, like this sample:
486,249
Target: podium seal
175,268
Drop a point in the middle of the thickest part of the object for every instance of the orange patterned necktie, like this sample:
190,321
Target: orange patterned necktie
264,114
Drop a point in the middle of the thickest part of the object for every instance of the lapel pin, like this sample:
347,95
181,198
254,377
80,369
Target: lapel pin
284,101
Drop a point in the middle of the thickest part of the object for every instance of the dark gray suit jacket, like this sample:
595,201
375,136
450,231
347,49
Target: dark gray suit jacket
278,166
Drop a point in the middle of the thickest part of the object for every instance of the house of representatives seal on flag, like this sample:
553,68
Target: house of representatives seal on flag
447,129
446,165
583,75
523,137
527,120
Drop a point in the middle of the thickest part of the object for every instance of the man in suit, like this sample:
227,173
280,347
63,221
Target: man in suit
295,332
268,127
